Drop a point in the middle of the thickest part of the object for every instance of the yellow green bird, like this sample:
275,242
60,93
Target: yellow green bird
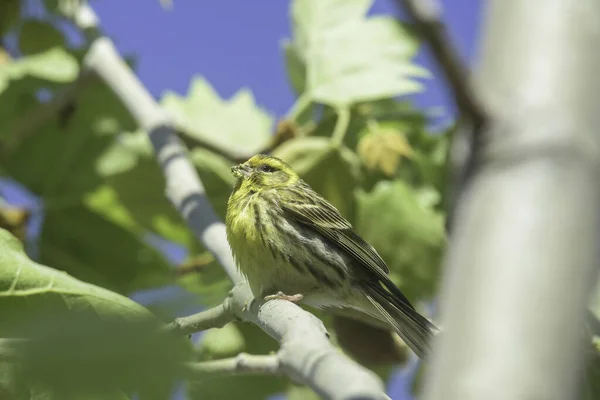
291,243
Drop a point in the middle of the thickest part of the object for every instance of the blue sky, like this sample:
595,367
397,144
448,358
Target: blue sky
236,44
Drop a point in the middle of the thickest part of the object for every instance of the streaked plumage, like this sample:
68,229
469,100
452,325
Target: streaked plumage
286,237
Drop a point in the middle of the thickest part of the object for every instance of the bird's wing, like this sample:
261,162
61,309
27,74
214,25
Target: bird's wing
317,213
323,217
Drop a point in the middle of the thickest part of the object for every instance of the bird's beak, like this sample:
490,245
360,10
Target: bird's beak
240,171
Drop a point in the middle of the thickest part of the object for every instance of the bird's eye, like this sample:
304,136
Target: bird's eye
266,168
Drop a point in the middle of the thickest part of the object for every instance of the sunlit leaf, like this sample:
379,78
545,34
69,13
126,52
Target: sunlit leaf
223,342
137,189
238,124
349,57
383,149
55,65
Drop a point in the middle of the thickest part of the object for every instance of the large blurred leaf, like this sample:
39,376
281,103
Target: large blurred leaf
401,224
332,172
82,339
92,248
351,58
237,125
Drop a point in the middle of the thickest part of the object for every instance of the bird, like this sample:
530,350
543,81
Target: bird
290,243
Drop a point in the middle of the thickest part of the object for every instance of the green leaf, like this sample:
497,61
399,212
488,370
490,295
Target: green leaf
22,279
57,161
38,36
237,125
135,192
210,282
55,65
80,339
332,172
351,58
91,247
222,342
407,233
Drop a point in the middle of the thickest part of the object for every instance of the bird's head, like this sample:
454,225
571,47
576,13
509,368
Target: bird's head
264,172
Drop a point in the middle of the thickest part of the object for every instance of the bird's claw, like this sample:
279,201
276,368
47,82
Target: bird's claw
282,296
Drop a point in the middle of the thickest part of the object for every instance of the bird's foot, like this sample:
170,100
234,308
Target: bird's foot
281,296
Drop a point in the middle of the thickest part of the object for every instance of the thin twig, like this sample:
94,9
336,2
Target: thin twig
242,364
426,16
466,149
184,188
215,317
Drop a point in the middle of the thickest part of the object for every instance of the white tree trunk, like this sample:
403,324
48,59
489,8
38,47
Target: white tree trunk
523,254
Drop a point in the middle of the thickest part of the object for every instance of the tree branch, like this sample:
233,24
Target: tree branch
184,189
426,15
306,354
215,317
242,364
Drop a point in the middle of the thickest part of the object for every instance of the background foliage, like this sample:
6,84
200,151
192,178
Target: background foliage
352,134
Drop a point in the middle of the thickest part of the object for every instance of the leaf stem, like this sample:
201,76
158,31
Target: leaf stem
299,106
341,127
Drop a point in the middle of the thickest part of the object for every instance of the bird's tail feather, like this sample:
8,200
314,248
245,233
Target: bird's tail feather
414,329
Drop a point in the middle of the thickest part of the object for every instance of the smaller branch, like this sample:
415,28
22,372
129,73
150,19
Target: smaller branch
184,189
215,317
242,364
426,17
